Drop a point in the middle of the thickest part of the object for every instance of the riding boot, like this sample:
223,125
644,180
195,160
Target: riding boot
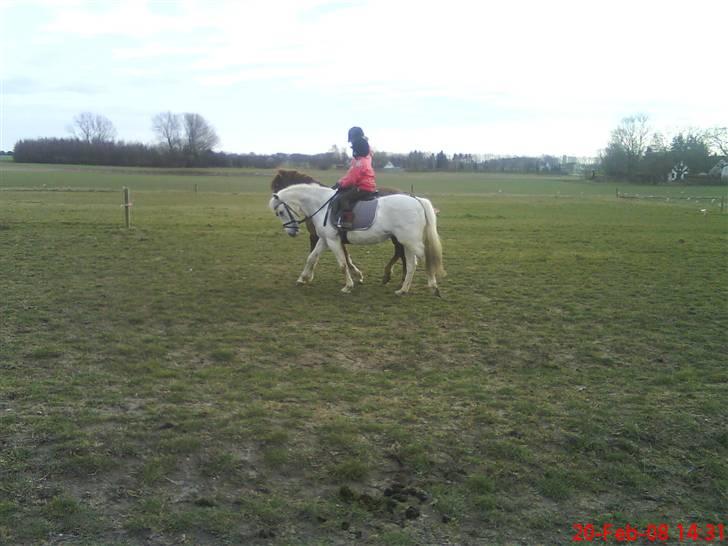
346,219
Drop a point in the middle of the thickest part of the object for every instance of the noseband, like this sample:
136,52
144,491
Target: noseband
292,223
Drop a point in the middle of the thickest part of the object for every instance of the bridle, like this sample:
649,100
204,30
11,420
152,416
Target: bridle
293,222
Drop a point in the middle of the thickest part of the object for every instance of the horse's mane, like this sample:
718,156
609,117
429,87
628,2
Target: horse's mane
286,178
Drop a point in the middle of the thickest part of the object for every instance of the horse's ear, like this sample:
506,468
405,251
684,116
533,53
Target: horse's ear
275,196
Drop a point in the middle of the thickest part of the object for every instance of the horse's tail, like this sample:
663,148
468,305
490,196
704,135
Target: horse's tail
433,246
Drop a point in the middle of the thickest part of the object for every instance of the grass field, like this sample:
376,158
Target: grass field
169,384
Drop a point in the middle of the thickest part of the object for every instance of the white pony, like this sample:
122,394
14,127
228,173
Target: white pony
410,219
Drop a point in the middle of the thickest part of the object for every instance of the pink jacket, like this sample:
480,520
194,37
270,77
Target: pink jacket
360,174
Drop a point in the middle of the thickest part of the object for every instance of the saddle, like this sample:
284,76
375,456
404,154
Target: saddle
363,214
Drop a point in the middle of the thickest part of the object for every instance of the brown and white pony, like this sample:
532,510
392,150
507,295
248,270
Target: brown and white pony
285,178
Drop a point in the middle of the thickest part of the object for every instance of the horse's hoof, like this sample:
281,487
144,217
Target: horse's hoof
346,289
436,292
386,279
401,292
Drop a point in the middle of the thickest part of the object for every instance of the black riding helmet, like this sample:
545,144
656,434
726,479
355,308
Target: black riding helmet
360,147
354,133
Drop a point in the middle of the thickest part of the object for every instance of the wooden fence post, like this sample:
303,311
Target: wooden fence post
127,205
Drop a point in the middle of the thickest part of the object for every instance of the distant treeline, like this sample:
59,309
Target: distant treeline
130,154
425,161
188,140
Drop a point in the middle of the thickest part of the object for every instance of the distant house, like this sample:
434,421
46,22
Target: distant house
679,172
390,167
572,168
576,166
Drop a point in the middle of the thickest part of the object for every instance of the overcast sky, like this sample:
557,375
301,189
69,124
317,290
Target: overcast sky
502,77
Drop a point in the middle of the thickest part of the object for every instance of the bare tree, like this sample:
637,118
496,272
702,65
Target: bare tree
83,126
631,135
93,127
717,137
168,128
200,136
631,138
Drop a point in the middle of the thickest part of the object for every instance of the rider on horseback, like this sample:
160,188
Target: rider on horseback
358,183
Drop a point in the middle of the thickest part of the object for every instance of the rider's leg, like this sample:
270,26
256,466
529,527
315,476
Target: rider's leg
345,201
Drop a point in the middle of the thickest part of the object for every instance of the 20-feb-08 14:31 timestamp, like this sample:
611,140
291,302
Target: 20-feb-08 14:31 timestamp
652,532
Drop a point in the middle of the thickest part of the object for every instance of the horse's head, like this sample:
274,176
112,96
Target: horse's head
285,214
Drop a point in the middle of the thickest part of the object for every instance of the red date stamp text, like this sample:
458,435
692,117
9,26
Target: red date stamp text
653,532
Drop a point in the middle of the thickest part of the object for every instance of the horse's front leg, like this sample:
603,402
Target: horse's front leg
338,249
351,265
307,273
312,235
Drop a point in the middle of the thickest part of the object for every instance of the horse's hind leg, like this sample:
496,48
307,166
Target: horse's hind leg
432,284
411,263
388,268
398,255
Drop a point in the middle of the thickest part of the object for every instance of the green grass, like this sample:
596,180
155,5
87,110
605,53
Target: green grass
171,383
